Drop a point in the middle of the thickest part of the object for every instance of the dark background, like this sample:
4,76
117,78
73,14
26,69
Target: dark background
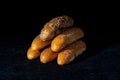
25,22
21,23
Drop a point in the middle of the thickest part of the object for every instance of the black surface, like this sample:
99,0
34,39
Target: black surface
102,65
99,62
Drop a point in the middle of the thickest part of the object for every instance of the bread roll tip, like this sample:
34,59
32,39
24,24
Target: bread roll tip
32,54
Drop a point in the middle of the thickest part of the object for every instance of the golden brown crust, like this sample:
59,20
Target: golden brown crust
54,26
68,36
32,54
38,44
58,39
69,53
47,55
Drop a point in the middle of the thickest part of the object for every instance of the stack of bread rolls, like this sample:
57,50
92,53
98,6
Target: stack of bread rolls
58,39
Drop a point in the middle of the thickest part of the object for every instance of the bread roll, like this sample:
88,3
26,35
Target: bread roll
38,44
32,54
70,52
68,36
54,27
47,55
